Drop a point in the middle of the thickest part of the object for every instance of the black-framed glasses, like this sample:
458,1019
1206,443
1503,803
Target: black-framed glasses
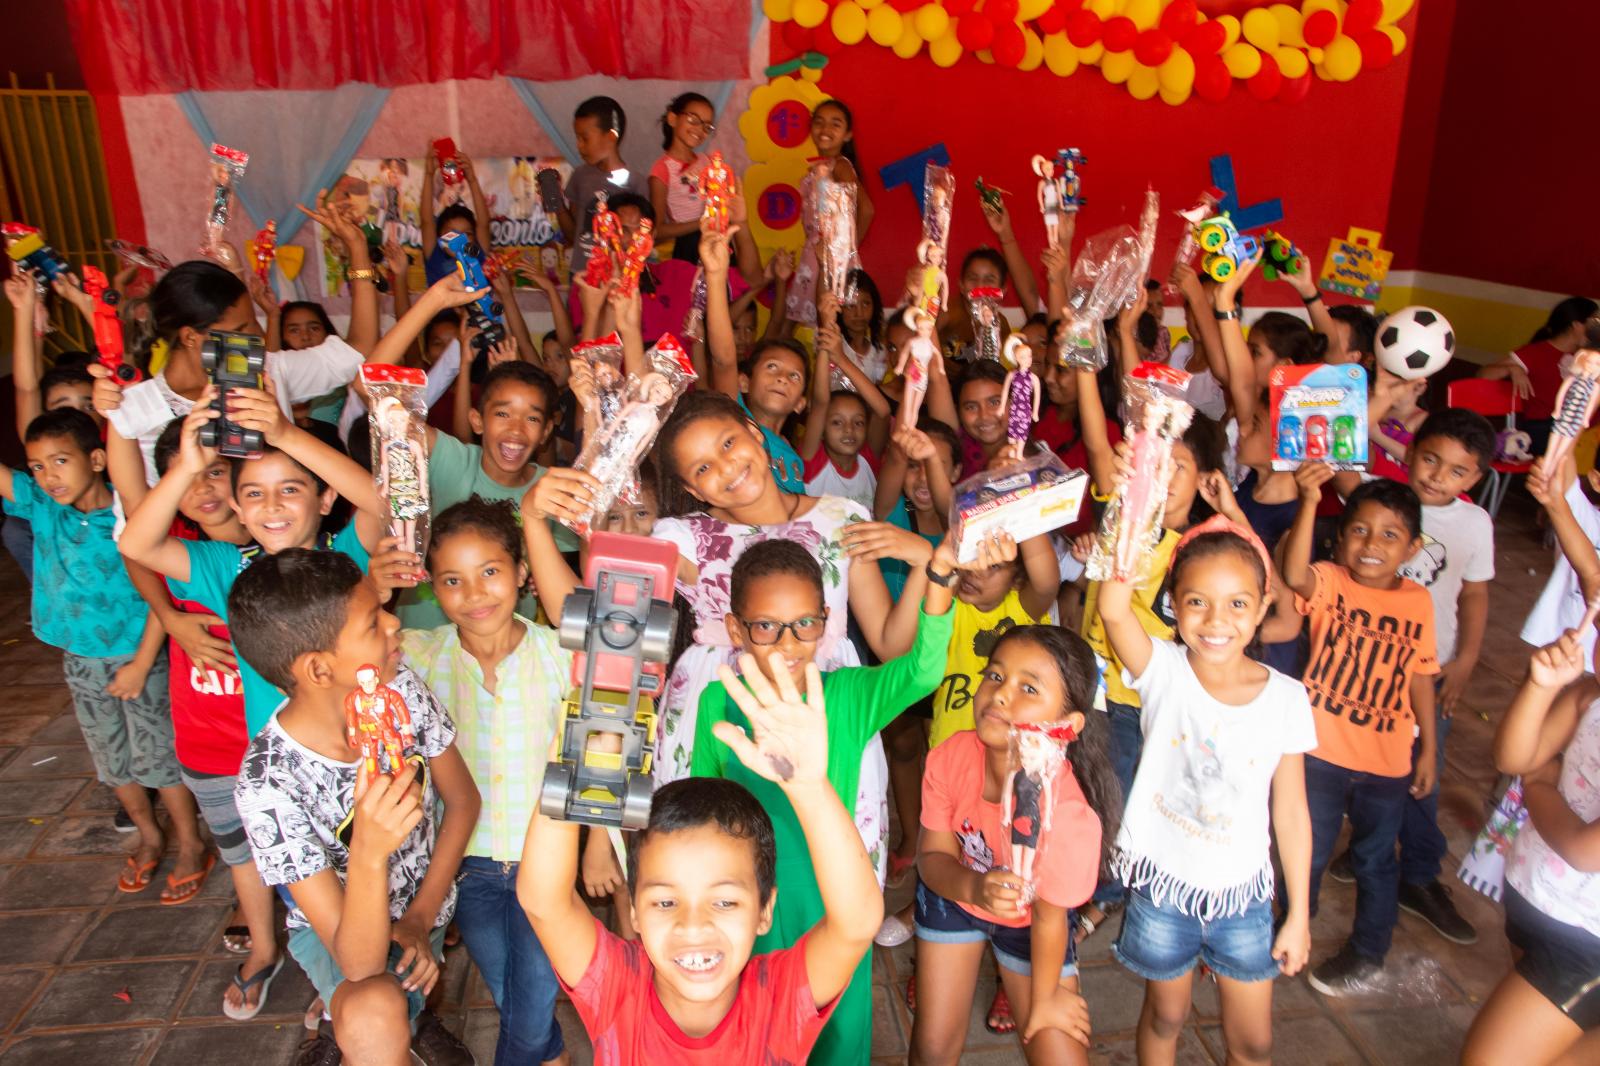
699,123
764,633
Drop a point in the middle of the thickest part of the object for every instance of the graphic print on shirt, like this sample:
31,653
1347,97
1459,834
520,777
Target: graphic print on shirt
956,690
1430,561
976,854
1363,667
1203,797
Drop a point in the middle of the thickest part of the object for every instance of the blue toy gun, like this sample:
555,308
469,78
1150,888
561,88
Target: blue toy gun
484,312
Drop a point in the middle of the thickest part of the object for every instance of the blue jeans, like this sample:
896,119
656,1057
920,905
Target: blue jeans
1375,806
1422,844
513,963
1127,741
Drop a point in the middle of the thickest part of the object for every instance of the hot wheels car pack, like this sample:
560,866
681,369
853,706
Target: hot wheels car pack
1024,499
1319,414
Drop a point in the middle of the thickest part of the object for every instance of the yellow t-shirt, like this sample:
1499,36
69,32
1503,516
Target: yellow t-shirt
1145,598
972,637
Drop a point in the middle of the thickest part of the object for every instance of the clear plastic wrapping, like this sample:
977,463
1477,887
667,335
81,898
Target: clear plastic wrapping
1027,498
1189,243
603,357
397,413
266,250
836,246
694,323
613,452
1106,276
634,257
1154,418
928,286
716,189
605,244
1028,800
227,170
983,308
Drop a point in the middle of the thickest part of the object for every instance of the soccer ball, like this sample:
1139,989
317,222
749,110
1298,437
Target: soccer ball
1415,342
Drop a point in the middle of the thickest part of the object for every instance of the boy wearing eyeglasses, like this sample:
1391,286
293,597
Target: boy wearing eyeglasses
776,599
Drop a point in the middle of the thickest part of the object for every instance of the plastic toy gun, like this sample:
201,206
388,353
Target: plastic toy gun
266,249
484,312
1279,257
449,168
234,361
107,327
621,626
27,248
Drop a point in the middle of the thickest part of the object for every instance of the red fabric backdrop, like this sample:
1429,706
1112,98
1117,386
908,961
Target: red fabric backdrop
134,47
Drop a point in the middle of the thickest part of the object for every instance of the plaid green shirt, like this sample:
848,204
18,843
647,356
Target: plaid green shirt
503,735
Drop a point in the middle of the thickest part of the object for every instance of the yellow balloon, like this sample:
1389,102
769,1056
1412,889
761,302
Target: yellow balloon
1144,13
1177,73
1103,8
1032,50
1342,57
1118,67
1143,83
1028,10
1292,62
1175,98
1231,27
1092,54
932,22
985,56
778,10
849,22
1289,20
945,51
1321,71
1394,10
1311,7
1397,36
868,5
1260,29
1060,55
910,42
1242,60
810,13
1315,55
884,25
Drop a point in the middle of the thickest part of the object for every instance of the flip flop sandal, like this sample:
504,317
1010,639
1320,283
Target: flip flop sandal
189,886
236,940
999,1020
244,1012
898,868
142,874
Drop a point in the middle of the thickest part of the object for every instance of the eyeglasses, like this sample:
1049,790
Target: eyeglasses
763,633
699,123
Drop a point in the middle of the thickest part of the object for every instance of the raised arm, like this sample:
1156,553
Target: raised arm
506,291
1304,283
547,890
1550,489
442,295
1297,575
430,230
1241,371
1017,264
363,332
1543,717
830,350
720,346
559,493
146,538
481,231
1092,429
1042,572
397,262
1209,340
24,297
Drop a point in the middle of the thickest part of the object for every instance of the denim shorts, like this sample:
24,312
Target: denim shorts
941,921
1160,943
318,963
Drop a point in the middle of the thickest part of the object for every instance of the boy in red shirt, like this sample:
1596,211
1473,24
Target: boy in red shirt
688,991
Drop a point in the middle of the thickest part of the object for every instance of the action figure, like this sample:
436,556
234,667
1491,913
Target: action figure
376,721
1574,406
605,257
1019,395
631,262
266,249
716,189
915,356
402,471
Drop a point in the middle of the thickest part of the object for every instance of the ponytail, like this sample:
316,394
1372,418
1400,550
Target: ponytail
1563,316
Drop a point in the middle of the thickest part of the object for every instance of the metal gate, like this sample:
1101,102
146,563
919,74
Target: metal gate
53,176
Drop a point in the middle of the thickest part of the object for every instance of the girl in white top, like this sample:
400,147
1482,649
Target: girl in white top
1222,734
1547,1009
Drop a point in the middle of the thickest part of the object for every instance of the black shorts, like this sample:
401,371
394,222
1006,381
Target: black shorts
1561,961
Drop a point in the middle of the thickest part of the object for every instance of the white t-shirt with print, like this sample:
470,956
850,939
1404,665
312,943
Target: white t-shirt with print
1457,547
1560,606
1196,828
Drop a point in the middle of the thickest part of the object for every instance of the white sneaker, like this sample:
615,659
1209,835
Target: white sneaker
893,932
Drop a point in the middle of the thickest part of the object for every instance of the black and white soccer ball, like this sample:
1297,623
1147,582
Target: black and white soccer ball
1415,342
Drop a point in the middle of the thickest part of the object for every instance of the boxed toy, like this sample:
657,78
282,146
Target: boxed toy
1024,499
1319,412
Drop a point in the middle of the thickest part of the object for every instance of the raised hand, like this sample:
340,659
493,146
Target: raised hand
790,736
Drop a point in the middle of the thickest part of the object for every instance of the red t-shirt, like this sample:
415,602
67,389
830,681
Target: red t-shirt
1543,363
774,1019
1068,860
208,730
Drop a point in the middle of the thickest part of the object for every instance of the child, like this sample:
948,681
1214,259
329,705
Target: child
861,320
1547,1009
980,405
85,604
1371,686
1224,743
771,386
598,126
1536,369
456,217
675,177
914,489
689,990
505,678
637,518
1575,580
838,461
1353,337
776,609
369,865
968,898
833,134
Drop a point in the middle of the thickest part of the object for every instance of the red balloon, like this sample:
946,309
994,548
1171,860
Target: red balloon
1009,45
1205,39
1377,51
1000,10
823,40
1268,80
1054,20
975,32
1120,33
956,8
1083,28
1211,79
797,36
1362,15
1320,27
1179,16
1152,48
1295,89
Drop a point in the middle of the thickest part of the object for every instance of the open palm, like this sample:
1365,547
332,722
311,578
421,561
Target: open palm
790,735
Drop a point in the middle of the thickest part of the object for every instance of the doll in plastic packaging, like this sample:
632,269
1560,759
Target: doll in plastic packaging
1019,395
1574,406
716,189
939,191
397,414
929,286
918,352
983,307
802,302
227,168
1106,277
377,723
836,217
1155,418
1030,793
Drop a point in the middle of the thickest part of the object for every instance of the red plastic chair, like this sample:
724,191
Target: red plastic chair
1492,399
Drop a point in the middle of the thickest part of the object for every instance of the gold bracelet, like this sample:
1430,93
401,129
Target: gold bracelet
363,274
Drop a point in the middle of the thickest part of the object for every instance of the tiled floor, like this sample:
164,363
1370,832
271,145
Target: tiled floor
88,974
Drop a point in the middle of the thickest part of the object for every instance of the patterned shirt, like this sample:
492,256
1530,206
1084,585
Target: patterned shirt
503,735
83,601
294,803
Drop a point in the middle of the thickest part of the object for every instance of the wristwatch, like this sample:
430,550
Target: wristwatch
1309,300
364,274
1224,316
944,581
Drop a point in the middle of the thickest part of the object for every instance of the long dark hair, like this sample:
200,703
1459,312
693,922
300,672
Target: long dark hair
1090,755
672,496
847,149
864,283
193,294
680,103
1563,316
315,308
